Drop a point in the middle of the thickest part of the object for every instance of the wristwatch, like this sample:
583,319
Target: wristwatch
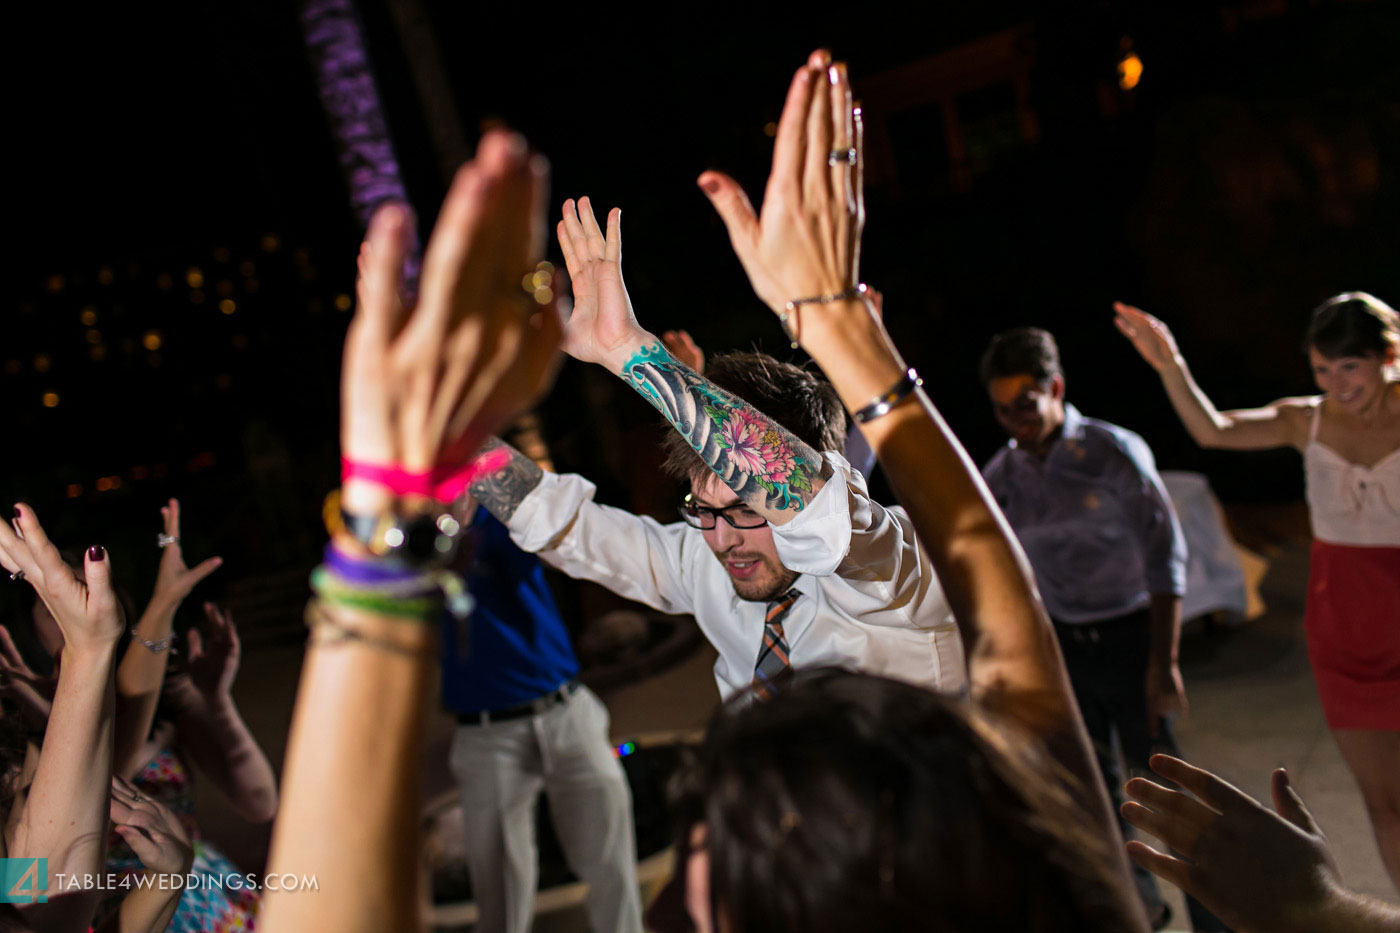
415,540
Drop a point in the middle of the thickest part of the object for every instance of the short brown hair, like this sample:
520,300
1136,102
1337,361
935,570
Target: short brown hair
1022,351
1353,324
800,400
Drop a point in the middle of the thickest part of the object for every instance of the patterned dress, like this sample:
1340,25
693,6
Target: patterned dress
218,897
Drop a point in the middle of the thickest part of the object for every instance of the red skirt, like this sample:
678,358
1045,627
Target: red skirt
1353,626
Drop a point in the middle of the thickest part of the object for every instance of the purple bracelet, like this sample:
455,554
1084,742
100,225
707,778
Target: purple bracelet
360,571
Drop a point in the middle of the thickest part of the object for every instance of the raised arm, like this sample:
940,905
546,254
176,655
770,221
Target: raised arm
211,728
767,467
65,814
1281,424
419,386
142,668
812,213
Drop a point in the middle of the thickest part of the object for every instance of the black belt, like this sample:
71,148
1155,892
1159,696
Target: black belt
1094,631
535,707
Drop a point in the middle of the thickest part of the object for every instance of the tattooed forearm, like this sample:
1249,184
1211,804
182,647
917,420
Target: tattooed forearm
765,465
502,490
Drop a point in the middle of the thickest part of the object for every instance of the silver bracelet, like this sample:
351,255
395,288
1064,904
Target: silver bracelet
881,404
155,647
790,309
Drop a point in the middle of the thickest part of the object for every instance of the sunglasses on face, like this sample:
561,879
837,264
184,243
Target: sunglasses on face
704,517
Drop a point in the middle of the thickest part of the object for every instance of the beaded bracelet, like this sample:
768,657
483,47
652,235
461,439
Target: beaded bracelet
157,646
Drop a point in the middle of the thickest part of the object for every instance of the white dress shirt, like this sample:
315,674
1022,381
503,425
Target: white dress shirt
870,599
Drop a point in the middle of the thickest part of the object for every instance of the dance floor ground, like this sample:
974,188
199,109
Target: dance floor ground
1253,708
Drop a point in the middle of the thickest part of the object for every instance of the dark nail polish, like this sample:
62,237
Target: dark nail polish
96,553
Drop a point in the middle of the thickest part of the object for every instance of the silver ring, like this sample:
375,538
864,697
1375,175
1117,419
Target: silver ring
165,540
841,157
17,576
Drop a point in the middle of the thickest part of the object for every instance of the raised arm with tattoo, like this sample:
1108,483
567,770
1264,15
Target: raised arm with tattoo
768,468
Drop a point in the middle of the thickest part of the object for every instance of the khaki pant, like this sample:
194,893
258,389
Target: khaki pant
501,768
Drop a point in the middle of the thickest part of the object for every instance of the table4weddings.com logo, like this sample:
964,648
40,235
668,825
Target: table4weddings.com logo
27,881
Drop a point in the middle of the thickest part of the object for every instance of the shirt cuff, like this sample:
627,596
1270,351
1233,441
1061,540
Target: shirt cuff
547,512
818,538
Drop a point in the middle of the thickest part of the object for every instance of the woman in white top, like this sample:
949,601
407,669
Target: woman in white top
1350,440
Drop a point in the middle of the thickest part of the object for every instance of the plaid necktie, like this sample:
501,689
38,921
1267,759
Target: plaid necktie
773,665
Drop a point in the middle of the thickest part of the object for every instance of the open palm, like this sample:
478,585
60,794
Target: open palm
602,328
1149,336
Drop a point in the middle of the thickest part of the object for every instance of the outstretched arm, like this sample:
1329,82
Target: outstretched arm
1281,424
767,467
812,214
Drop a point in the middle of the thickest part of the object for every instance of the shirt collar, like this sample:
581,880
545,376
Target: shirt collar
1071,430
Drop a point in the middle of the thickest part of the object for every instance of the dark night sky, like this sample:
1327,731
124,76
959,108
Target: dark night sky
1253,173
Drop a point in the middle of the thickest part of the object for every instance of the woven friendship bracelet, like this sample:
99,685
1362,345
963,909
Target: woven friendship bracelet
328,631
417,600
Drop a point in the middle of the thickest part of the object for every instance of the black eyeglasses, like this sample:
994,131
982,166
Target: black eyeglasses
737,515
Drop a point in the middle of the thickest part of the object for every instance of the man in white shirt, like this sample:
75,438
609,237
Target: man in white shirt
783,559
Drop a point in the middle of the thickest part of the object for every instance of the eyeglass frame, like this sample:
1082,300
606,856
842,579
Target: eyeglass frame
690,507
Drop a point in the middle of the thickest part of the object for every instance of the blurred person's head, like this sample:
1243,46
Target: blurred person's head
1021,371
855,802
803,403
1351,345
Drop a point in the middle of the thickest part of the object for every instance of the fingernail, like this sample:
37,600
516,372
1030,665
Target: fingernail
96,553
710,186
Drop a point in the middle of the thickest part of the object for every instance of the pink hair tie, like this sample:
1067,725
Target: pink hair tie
442,483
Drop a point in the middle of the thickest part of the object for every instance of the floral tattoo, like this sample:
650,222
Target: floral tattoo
761,461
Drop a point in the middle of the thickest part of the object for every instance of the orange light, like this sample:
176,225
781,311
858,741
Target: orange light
164,281
1129,71
139,472
75,490
194,278
50,399
342,302
104,275
270,242
42,362
55,283
152,340
770,129
88,317
227,306
94,337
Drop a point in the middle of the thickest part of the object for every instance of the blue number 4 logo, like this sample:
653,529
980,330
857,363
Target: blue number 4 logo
24,881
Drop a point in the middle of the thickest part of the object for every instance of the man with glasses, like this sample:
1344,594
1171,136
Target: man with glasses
1109,556
835,579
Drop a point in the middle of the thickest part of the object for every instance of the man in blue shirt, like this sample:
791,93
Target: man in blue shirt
1109,557
525,725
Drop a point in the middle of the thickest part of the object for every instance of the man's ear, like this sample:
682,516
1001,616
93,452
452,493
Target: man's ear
1057,387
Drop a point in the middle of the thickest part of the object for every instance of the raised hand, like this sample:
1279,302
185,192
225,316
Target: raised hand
602,328
213,666
684,348
151,829
1149,336
422,386
806,240
86,608
175,580
1255,869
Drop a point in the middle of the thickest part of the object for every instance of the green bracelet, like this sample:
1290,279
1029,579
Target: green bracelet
417,602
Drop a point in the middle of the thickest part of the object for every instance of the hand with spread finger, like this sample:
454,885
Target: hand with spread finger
175,580
1254,868
804,245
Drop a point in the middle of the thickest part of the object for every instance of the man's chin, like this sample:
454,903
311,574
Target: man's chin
762,590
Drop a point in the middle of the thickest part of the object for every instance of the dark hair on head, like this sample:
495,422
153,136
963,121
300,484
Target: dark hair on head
855,802
1353,324
1021,351
796,398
